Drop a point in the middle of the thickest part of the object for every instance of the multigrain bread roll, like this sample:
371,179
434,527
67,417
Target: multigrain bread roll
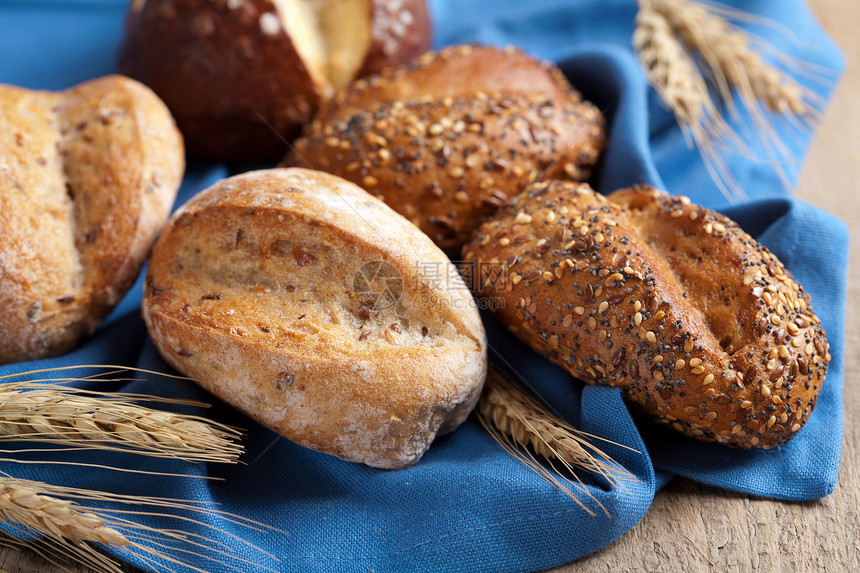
450,137
318,311
701,326
242,75
87,177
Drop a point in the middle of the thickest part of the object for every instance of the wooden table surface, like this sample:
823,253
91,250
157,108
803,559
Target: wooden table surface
692,527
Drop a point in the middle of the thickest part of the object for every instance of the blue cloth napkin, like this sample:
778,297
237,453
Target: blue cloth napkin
468,505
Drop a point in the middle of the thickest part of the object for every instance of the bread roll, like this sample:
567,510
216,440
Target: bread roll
87,177
318,311
701,326
449,138
242,75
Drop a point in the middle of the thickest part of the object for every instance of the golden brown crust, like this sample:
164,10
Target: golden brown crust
231,75
89,176
701,326
252,290
448,139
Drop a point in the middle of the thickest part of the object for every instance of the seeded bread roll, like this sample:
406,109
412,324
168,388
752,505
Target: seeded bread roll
450,72
701,326
449,138
240,75
87,177
315,309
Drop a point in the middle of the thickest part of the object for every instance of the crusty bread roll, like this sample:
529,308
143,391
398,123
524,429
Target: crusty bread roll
87,177
318,311
240,75
701,326
450,137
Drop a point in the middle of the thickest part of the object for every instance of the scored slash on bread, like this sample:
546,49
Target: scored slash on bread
232,71
448,138
299,298
700,325
87,178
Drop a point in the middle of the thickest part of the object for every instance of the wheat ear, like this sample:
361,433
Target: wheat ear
21,503
673,73
48,411
728,52
733,61
524,428
49,519
670,69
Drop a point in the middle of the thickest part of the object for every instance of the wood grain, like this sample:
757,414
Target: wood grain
691,527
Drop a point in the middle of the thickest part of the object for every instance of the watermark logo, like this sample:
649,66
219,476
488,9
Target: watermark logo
378,284
484,277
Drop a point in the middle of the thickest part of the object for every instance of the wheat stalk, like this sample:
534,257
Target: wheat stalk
22,502
728,52
46,411
673,73
61,416
732,60
670,69
48,519
524,428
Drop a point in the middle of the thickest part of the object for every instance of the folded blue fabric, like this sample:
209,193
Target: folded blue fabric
468,505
